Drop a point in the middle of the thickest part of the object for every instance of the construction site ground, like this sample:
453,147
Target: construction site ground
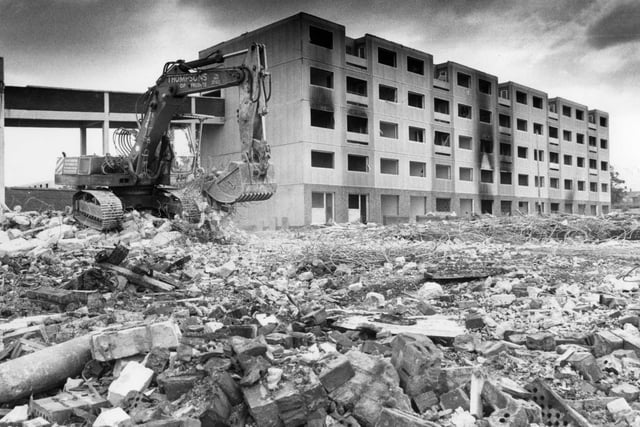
492,321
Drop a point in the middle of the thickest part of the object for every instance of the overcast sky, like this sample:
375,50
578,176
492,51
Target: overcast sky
585,50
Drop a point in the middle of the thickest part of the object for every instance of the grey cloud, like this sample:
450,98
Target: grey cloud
617,26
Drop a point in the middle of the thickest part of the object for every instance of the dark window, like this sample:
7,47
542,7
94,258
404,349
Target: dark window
553,132
416,134
322,119
443,171
389,166
580,115
566,111
357,124
484,86
523,180
389,130
536,101
322,159
537,128
505,207
387,57
554,157
554,182
320,77
466,174
581,185
464,80
416,100
603,122
555,207
388,93
605,188
538,155
356,86
321,37
523,152
485,116
566,135
465,142
604,144
593,164
440,106
486,146
415,65
521,97
443,205
604,166
505,178
568,184
593,186
464,111
357,163
504,121
417,169
593,141
505,149
538,181
592,118
580,162
441,139
486,176
521,124
580,138
567,160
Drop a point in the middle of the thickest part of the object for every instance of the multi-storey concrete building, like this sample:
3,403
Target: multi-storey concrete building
369,130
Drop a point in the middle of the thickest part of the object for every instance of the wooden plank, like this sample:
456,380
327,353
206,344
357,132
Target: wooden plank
436,326
138,279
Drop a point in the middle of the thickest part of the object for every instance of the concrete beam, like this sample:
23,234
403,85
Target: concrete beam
83,141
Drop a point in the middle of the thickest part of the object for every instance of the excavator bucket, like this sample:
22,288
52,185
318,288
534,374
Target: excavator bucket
241,183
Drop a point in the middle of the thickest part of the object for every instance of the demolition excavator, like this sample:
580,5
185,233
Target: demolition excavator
140,175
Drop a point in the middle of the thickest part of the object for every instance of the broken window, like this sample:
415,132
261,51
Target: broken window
505,178
523,180
485,116
465,142
443,205
389,130
357,163
552,107
486,176
356,86
568,208
486,146
505,149
464,111
441,74
580,162
322,118
566,135
567,160
464,80
604,166
484,86
568,184
581,185
554,157
580,115
593,164
523,152
504,93
319,77
442,139
553,132
592,118
604,144
388,93
566,111
521,125
537,128
415,65
593,187
580,138
416,100
521,97
418,169
603,122
504,121
440,106
537,102
387,57
320,37
389,166
357,124
466,174
554,182
416,134
322,159
443,171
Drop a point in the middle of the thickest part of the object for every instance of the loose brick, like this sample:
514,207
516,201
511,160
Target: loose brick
262,408
113,345
417,361
541,341
248,347
425,401
337,370
454,399
474,321
176,386
586,365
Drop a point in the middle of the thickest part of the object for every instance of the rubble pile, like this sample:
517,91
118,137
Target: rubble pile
491,322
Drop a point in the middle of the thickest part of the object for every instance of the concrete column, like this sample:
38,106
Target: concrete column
105,125
83,141
2,151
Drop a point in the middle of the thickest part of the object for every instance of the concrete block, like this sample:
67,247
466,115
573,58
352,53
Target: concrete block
15,417
336,371
291,405
246,347
425,401
586,364
176,386
628,391
513,416
605,342
474,321
541,341
417,361
261,407
113,345
134,377
618,407
455,399
59,408
111,418
219,410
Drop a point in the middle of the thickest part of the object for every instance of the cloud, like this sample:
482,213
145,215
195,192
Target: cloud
618,25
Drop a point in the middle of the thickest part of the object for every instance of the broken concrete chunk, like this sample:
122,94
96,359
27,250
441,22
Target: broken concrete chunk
16,416
628,391
128,342
336,371
429,290
36,422
586,365
544,341
618,407
417,361
60,408
134,377
605,342
111,418
454,399
246,347
261,407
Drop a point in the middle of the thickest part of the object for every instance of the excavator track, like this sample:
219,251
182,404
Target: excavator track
99,209
189,202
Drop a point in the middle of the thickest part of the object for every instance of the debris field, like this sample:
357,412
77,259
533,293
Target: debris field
518,321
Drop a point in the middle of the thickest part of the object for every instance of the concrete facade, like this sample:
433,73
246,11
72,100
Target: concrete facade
369,130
